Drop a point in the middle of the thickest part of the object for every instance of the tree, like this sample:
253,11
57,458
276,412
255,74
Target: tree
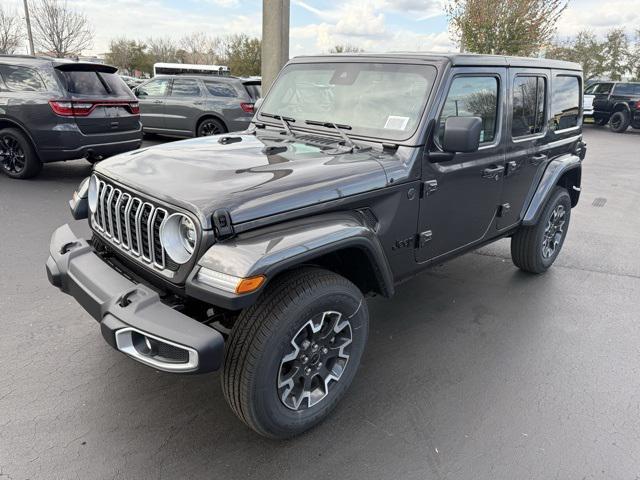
200,48
616,51
241,54
58,30
584,49
129,55
346,48
10,32
504,27
634,57
162,49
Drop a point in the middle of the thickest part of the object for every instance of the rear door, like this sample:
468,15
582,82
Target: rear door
151,96
102,101
601,97
462,193
528,104
229,103
183,105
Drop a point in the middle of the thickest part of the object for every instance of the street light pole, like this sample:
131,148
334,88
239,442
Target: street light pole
275,39
26,16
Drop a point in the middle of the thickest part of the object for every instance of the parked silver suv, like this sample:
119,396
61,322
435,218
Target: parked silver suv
197,105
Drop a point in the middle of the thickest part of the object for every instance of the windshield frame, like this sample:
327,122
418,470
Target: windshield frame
412,136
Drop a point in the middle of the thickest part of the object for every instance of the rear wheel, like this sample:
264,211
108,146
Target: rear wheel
292,355
18,159
210,126
535,248
619,121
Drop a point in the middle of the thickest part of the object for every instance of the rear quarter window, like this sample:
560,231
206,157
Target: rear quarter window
220,89
565,102
22,79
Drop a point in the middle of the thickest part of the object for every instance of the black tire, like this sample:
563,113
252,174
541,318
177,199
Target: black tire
619,121
254,379
18,158
530,245
210,126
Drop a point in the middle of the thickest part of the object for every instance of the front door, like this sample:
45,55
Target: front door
151,97
525,132
462,194
183,106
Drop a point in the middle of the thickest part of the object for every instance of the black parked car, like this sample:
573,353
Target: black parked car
197,105
615,103
254,252
57,110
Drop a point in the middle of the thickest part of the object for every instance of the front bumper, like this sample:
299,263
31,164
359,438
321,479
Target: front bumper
132,317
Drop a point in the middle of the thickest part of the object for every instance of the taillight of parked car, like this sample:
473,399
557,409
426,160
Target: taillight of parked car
247,107
638,105
67,108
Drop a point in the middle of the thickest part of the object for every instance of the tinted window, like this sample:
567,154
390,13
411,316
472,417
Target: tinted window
84,83
116,84
599,88
185,87
625,89
219,89
528,106
21,79
155,88
254,90
472,97
566,102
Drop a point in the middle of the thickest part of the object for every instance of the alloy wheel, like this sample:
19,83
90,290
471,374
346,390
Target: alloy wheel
12,155
209,128
319,354
553,232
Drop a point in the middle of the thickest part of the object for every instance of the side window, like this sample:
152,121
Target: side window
219,89
155,88
185,87
624,89
566,102
528,106
21,79
472,97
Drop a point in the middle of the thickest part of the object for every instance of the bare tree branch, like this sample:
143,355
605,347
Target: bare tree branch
10,31
60,31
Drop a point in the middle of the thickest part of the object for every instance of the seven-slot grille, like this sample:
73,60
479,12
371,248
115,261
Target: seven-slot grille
132,224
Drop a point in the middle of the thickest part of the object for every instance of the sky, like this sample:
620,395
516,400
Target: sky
318,25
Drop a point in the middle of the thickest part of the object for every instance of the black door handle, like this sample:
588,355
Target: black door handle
537,159
492,172
158,102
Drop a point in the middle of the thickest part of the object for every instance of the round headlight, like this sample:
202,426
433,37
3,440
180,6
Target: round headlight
93,193
178,236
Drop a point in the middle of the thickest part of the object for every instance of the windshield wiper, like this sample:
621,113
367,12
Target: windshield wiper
338,127
285,121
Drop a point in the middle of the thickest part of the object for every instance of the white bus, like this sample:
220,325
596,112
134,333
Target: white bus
177,68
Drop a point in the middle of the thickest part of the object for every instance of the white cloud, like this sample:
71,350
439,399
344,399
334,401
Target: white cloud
598,16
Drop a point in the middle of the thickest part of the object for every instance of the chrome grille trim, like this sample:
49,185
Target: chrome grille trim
135,236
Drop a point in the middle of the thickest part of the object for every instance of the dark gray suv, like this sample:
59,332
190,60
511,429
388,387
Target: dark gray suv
197,105
55,110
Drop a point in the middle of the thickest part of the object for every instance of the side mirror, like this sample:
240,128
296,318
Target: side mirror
462,134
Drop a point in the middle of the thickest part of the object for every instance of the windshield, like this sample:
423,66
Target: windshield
381,100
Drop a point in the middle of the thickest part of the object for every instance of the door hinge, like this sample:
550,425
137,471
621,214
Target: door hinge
503,210
424,238
429,187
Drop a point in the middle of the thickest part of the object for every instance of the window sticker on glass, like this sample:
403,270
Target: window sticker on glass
396,123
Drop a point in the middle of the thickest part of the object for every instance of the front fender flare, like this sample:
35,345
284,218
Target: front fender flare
273,249
552,175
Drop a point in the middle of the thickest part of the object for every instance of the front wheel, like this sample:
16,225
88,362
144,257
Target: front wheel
619,122
535,248
293,354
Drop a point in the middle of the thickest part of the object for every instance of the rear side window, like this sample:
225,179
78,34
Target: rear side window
566,102
155,88
254,90
21,79
94,83
185,87
472,97
528,106
219,89
624,89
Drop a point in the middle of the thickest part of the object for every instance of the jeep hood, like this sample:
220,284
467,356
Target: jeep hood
257,176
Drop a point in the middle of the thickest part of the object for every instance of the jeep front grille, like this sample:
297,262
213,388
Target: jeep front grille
132,224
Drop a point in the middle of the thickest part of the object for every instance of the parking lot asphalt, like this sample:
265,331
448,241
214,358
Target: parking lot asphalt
473,371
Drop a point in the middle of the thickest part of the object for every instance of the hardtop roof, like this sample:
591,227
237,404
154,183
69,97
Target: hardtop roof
455,59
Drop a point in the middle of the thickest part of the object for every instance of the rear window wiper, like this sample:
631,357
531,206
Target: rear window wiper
285,121
338,127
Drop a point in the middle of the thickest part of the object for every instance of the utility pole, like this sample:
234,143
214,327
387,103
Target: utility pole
275,39
26,16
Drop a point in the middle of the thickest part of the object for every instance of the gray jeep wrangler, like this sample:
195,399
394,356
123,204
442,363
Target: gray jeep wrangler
254,252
